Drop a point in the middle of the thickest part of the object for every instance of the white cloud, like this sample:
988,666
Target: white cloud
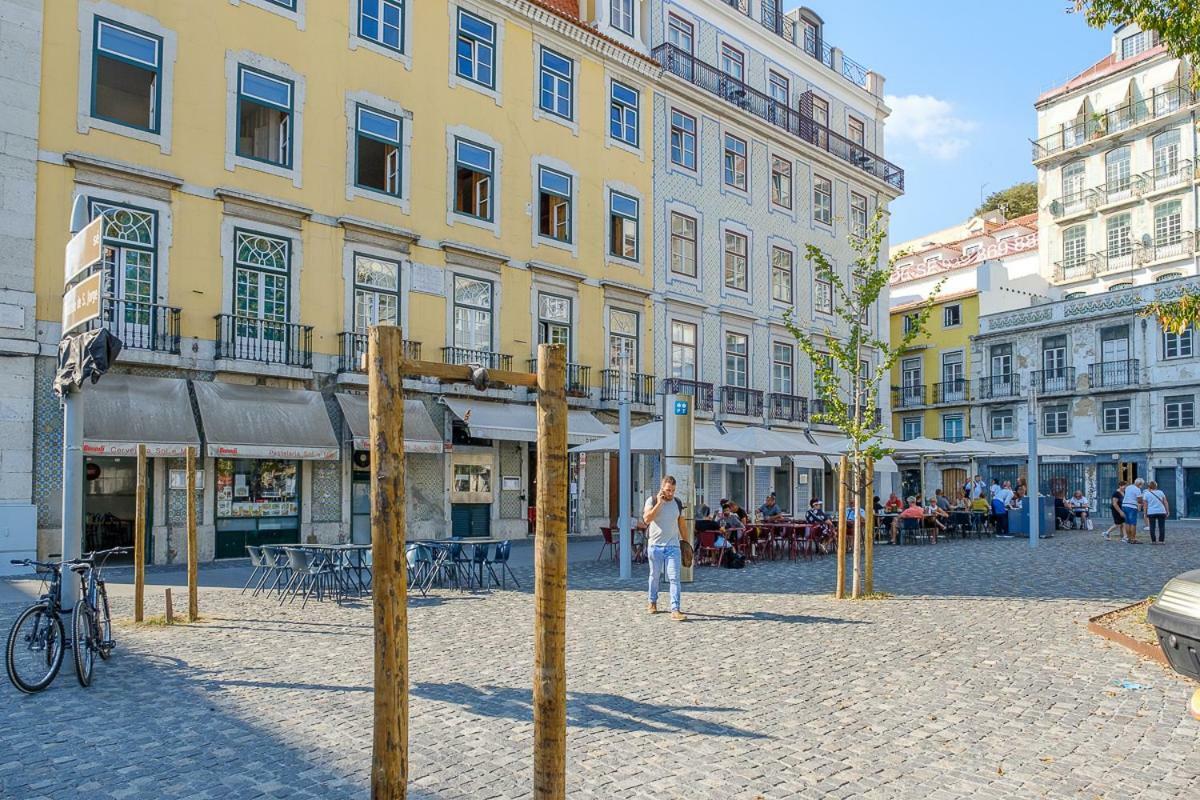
928,123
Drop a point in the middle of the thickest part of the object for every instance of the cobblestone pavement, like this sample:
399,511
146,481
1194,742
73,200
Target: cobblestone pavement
978,679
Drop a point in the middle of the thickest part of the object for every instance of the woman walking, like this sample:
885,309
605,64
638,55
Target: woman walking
1157,510
1118,517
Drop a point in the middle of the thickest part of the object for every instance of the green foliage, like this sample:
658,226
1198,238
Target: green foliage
1177,22
1015,201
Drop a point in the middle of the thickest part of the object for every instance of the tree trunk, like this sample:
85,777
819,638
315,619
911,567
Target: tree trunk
840,591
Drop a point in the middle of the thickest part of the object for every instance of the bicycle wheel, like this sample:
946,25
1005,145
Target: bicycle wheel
103,622
34,652
83,642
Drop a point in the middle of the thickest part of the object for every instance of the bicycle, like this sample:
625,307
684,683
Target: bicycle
91,626
35,648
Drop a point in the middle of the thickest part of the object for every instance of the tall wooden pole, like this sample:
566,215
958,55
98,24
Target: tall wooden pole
869,549
840,592
550,580
139,537
385,406
193,554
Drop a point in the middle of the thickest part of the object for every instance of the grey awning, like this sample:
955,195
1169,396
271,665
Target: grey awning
420,434
515,422
123,411
264,422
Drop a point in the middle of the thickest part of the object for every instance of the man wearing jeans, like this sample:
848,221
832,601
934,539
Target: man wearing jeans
662,514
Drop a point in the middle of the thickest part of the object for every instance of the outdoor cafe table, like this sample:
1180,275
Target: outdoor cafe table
796,530
352,556
442,549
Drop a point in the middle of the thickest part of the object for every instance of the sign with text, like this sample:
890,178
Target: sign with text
84,249
81,303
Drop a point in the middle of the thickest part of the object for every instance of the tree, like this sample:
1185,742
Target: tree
846,383
1015,201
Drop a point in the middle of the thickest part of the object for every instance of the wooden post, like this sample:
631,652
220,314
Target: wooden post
192,552
869,546
550,580
385,406
840,591
170,612
139,537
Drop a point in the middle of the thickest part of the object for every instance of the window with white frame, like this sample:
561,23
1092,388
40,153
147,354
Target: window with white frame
1116,416
781,182
681,34
858,214
1073,176
554,205
557,80
126,76
781,275
1055,419
683,350
735,162
1177,345
1117,235
624,106
376,292
620,15
1136,43
1165,157
622,339
378,151
1180,411
822,295
820,111
953,427
856,131
622,226
911,428
129,258
737,357
474,169
683,139
733,63
1167,276
475,50
736,255
779,88
783,359
382,21
265,109
1001,421
261,292
683,244
554,320
822,200
473,310
1118,174
1074,247
951,316
1168,229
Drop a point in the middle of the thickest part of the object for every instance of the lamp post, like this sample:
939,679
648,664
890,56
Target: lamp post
623,469
72,495
1032,472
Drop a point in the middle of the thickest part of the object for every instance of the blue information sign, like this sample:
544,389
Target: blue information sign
681,408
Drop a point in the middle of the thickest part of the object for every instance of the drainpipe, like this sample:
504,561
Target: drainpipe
1195,195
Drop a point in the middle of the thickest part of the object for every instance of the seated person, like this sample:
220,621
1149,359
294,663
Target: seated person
739,512
770,510
816,516
706,524
980,505
876,505
942,501
963,503
727,520
913,511
1080,508
703,511
934,514
1062,514
893,504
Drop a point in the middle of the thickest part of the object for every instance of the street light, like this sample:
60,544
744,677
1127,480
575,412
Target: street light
623,467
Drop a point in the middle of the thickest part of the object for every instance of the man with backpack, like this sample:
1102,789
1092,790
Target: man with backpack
663,515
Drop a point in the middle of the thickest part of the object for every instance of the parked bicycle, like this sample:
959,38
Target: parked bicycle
92,622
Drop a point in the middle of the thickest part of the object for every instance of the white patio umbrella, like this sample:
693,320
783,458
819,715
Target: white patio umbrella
1021,449
648,438
754,439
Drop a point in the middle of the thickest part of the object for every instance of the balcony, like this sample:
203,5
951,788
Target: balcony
640,387
263,340
578,377
1054,381
1179,245
142,326
786,408
816,407
1120,259
1084,201
1169,176
909,396
1164,101
951,391
712,80
703,392
1119,191
998,387
352,352
1071,269
1114,374
742,401
484,358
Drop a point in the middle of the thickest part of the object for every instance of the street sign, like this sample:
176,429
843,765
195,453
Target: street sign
681,408
84,249
81,303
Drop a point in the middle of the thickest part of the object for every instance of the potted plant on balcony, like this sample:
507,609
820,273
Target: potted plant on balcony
1099,124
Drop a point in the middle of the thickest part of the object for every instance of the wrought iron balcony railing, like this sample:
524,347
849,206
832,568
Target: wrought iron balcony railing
142,326
1070,269
714,81
1054,381
1114,374
773,18
1167,175
786,407
352,351
952,391
578,377
703,392
1074,203
1121,258
264,340
1165,100
1175,245
640,387
484,358
816,407
908,396
742,401
998,387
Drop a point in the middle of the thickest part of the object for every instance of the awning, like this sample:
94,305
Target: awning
516,422
420,434
264,422
123,411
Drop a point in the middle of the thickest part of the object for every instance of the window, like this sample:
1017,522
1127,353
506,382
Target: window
1168,228
1167,276
290,5
554,320
260,294
857,131
683,140
473,170
129,261
912,383
823,295
1114,344
781,275
376,292
952,316
623,114
1116,416
1136,43
680,34
1074,295
1117,236
858,214
264,117
954,384
781,182
952,428
1054,364
822,200
1177,345
782,367
1073,176
1074,247
382,21
910,428
557,84
733,63
1002,423
737,350
683,350
1166,156
1180,411
735,162
378,151
620,15
473,313
1054,420
779,89
736,250
683,244
126,76
1117,174
475,50
623,226
820,110
910,322
554,205
622,339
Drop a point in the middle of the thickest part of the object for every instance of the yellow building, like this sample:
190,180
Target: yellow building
279,174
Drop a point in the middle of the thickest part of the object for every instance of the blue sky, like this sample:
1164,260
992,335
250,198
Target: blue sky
962,79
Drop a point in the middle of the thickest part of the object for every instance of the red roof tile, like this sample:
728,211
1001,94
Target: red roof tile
1105,66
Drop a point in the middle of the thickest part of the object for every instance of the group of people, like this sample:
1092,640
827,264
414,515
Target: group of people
1129,501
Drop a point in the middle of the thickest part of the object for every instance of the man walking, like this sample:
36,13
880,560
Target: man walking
663,514
1131,504
1001,499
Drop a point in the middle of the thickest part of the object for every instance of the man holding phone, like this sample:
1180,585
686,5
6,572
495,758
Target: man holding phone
662,514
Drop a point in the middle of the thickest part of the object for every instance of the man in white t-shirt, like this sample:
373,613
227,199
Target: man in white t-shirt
1079,507
1131,504
975,488
662,514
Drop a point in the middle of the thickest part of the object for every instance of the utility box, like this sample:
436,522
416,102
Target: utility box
1175,616
18,537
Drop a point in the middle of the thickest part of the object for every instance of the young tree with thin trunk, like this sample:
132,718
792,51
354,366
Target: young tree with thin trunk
852,358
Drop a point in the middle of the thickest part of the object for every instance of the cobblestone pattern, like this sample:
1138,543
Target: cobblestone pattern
977,680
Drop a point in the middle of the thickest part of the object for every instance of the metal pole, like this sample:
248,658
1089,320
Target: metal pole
1032,472
72,500
624,501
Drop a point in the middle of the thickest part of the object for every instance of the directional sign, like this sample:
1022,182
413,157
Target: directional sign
84,249
81,303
